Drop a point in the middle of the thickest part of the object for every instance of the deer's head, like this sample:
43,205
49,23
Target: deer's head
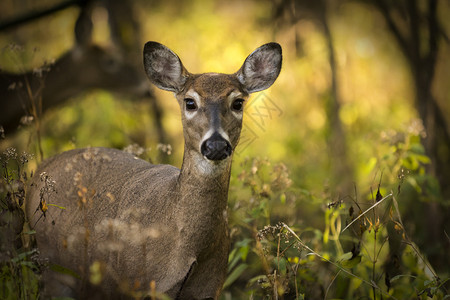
212,104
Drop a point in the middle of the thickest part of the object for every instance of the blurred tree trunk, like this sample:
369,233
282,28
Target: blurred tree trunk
417,34
126,33
342,172
341,167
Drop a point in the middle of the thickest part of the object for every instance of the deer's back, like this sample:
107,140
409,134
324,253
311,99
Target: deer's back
109,207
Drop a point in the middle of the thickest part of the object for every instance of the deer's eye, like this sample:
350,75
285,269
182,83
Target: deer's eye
237,105
190,104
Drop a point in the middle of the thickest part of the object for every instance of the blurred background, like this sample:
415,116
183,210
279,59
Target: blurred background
359,114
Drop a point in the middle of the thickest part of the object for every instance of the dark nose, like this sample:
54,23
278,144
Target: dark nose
216,147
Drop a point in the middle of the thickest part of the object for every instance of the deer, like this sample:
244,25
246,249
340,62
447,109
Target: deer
26,95
143,227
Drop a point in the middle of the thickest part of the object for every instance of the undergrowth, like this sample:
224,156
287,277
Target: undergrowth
362,251
19,265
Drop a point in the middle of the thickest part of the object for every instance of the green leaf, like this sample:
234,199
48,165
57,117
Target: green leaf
416,147
347,260
423,159
232,259
235,275
61,207
345,256
64,270
280,263
352,262
395,278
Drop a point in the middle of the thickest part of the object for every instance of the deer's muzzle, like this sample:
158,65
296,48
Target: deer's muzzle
216,147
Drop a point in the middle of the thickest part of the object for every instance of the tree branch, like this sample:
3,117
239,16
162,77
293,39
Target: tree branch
414,31
433,36
402,41
31,16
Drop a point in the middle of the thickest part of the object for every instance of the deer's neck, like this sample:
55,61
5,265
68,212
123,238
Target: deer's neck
204,193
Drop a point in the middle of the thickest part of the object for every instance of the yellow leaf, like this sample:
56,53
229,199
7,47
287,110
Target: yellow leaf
44,206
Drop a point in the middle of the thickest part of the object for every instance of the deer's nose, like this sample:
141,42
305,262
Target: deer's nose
216,147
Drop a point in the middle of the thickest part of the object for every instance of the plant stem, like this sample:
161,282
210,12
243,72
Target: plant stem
357,218
374,262
372,284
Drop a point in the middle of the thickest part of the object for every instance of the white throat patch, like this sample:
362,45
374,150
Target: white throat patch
207,167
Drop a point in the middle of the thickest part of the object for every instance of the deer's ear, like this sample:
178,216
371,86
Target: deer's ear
163,67
261,68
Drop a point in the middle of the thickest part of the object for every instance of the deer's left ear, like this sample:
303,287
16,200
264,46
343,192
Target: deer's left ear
261,68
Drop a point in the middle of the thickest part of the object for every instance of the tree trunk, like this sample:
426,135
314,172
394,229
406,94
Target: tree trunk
341,168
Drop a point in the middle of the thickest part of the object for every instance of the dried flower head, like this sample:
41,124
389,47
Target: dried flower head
165,148
134,149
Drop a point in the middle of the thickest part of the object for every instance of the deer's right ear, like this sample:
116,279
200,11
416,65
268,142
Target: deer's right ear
163,67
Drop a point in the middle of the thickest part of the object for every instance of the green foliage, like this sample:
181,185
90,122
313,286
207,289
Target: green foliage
18,279
18,264
362,251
